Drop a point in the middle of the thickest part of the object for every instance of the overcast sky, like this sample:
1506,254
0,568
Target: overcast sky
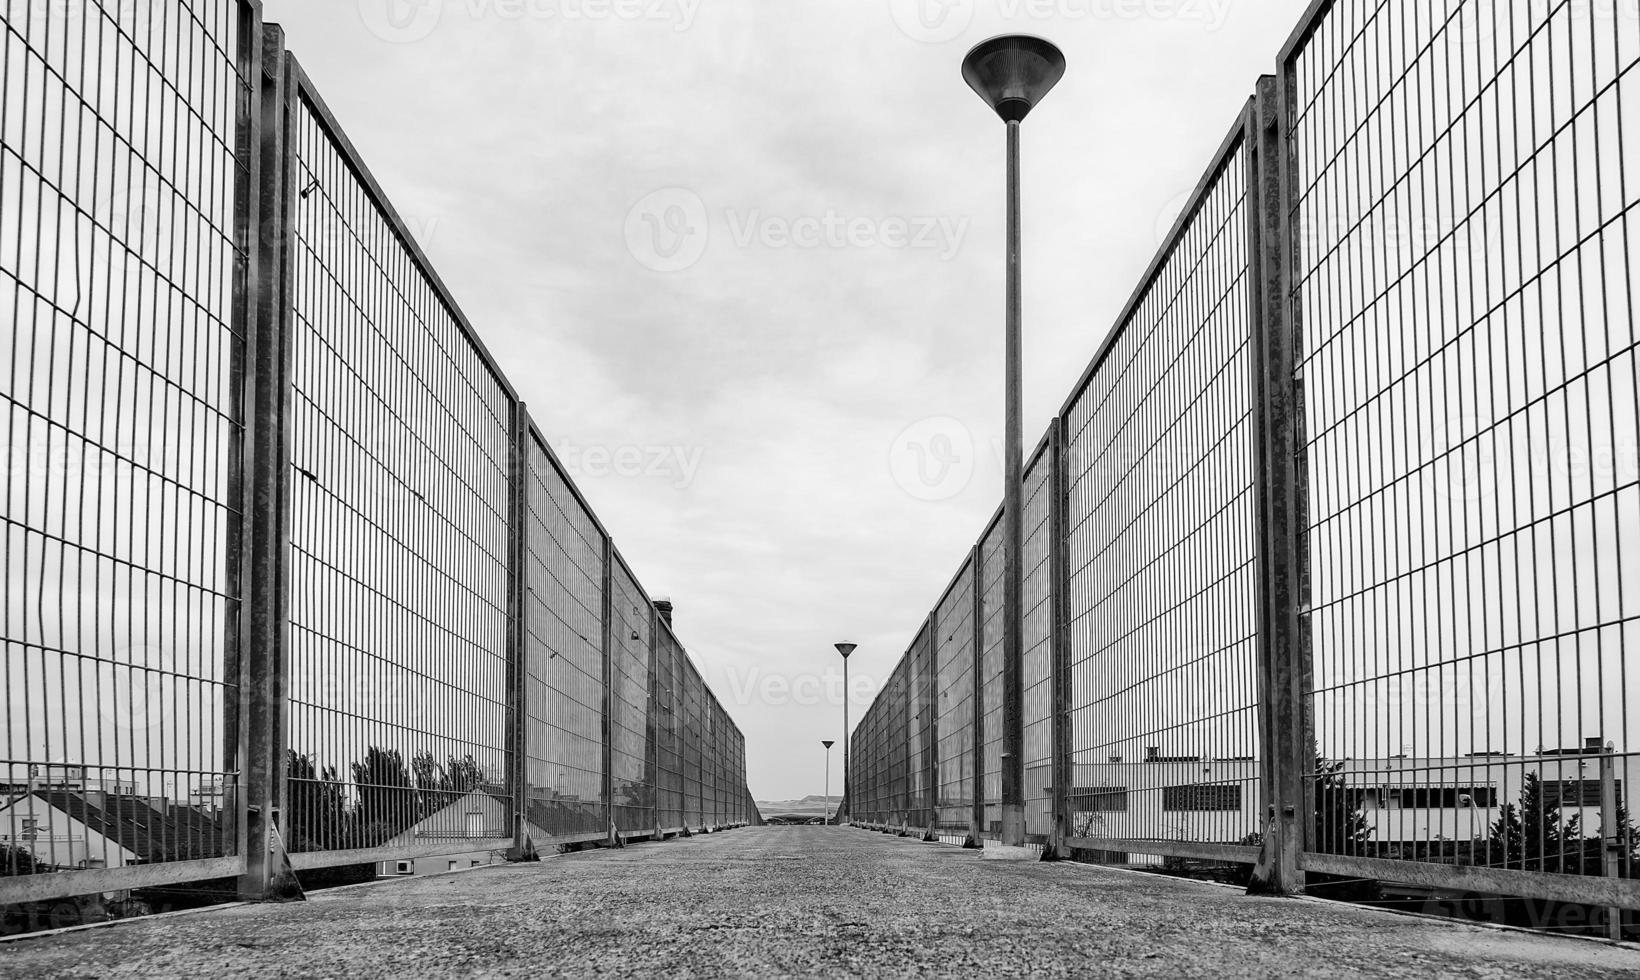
743,261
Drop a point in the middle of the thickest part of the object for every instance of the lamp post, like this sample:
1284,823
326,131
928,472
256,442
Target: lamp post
848,801
1012,73
828,743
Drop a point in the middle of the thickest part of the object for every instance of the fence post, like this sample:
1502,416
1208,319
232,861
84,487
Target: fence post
518,714
976,832
651,762
263,663
607,787
931,731
1286,727
1059,560
1612,843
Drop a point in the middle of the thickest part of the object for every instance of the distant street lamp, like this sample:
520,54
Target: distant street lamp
828,743
848,801
1012,73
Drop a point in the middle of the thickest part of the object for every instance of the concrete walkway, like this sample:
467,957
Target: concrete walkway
799,901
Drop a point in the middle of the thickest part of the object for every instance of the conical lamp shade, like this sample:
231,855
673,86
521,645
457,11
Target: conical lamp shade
1013,72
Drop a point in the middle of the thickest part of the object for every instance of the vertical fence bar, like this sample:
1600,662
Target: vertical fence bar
976,832
928,705
518,528
264,663
1059,577
247,236
1284,654
607,788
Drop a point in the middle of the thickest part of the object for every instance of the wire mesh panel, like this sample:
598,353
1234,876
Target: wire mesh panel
398,554
563,657
668,697
862,775
1464,214
1162,545
122,351
954,696
992,569
919,676
1037,645
690,740
631,775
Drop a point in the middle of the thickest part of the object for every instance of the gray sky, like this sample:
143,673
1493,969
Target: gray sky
742,258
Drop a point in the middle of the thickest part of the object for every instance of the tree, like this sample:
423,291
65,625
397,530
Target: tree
17,861
387,797
317,819
1341,823
1341,828
466,774
1533,837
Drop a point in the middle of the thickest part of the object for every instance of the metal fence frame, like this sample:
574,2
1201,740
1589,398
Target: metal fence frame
256,641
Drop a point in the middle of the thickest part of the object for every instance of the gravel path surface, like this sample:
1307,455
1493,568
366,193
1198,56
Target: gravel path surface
802,901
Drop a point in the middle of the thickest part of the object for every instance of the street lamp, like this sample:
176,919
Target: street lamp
828,743
848,801
1012,73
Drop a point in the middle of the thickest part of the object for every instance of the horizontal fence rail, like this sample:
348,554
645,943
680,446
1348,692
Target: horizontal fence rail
1340,584
291,580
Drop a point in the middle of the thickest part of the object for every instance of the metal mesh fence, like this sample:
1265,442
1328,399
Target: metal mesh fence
990,680
398,546
122,348
1162,548
954,659
668,754
1463,217
1349,492
1037,646
564,614
226,361
630,764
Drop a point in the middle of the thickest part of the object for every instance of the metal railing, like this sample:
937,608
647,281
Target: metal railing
292,582
1330,569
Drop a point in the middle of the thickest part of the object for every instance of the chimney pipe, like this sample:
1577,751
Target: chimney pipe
664,607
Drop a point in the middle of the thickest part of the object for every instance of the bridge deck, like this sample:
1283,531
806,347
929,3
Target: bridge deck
802,900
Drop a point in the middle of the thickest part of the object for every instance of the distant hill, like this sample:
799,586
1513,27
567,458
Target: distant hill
808,804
